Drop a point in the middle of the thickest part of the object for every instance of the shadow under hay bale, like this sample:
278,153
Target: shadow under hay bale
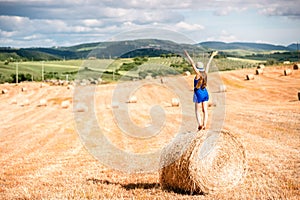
296,66
202,163
299,95
287,72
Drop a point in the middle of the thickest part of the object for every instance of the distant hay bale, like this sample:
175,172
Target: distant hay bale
261,66
175,102
114,105
25,102
202,163
65,104
24,89
43,85
13,101
43,102
296,66
259,71
287,72
222,88
187,73
132,99
250,77
70,87
4,91
81,107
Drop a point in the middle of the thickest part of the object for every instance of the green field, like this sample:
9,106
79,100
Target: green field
111,69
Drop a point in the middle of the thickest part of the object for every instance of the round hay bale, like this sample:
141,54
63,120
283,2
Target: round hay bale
175,102
81,107
26,102
43,102
187,73
259,71
261,66
132,99
222,88
296,66
4,91
65,104
43,85
287,72
250,77
24,89
202,163
13,101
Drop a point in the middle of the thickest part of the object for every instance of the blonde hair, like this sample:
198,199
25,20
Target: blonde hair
202,81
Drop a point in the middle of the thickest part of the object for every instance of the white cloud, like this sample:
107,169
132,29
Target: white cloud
188,27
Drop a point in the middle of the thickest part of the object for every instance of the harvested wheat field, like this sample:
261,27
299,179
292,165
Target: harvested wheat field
42,156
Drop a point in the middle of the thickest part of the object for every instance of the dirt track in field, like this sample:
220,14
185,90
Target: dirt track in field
42,156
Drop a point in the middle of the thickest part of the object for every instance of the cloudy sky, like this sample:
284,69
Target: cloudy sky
46,23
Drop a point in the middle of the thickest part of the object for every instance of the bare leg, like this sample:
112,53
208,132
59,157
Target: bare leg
198,116
205,113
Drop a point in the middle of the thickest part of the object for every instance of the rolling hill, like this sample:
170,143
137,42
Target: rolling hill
132,48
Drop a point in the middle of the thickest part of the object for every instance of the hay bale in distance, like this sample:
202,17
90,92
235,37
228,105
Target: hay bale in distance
203,162
14,101
81,107
132,99
250,77
287,72
65,104
25,102
222,88
43,102
175,102
24,89
4,91
187,73
259,71
296,66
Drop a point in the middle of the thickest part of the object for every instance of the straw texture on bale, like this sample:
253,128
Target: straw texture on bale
296,66
259,71
287,72
175,102
250,77
203,162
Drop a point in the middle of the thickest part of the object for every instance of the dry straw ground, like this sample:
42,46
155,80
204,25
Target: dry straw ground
41,156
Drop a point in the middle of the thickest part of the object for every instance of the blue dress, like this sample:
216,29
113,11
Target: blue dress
200,95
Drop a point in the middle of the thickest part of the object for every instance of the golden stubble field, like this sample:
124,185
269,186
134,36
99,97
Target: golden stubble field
42,156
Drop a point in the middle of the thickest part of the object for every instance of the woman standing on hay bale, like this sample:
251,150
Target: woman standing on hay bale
201,96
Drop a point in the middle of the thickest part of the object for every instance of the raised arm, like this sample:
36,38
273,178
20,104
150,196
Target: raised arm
209,61
191,62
